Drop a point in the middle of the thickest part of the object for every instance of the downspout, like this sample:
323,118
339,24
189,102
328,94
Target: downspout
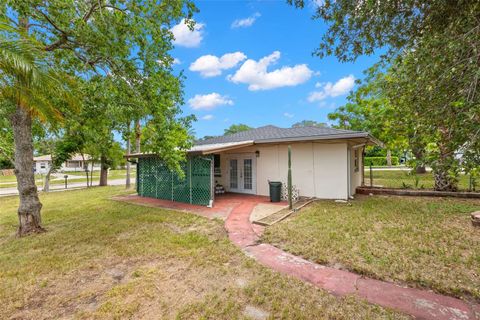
349,160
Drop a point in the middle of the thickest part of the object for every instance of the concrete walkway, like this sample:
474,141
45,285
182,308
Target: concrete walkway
421,304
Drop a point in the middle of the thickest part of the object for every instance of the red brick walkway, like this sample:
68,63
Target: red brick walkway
236,209
418,303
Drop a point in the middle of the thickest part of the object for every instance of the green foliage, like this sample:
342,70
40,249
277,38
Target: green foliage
309,123
380,161
6,142
28,80
234,128
116,156
119,46
368,109
359,28
5,163
375,151
390,238
428,75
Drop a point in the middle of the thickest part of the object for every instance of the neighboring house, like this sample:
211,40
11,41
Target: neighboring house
75,163
326,163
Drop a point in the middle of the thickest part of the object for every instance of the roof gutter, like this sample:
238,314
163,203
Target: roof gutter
327,137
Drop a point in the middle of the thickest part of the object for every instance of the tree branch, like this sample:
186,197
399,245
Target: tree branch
88,14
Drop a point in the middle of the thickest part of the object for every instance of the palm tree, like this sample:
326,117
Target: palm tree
31,90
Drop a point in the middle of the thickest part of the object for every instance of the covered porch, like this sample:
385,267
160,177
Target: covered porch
221,209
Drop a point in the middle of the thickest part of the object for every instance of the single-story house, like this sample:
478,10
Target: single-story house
327,163
76,163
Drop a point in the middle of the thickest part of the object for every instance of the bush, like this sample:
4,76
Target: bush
380,161
5,164
375,151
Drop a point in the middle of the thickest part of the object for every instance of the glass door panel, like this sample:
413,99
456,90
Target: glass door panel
247,174
233,174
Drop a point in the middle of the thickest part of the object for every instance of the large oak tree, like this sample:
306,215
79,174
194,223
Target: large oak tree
432,52
125,38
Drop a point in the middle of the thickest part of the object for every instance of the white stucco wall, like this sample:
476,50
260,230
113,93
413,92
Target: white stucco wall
39,169
356,176
318,169
63,168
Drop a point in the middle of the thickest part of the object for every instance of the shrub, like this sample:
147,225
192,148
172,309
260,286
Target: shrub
380,161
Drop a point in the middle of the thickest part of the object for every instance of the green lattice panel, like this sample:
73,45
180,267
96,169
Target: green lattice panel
181,186
157,181
201,179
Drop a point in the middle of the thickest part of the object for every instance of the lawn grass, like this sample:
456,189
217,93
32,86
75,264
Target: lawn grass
423,242
405,179
73,177
106,259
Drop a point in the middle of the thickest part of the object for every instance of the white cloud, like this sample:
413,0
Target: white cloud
341,87
211,66
209,101
176,61
255,74
288,115
247,22
207,117
185,37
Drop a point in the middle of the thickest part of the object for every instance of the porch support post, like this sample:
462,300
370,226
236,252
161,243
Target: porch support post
363,166
190,177
289,178
212,178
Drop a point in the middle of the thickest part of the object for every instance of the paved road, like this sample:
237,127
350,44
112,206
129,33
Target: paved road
60,187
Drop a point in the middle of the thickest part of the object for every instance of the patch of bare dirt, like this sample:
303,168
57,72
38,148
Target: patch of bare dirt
152,288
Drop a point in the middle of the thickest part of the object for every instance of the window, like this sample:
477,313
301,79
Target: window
248,178
42,165
356,161
73,164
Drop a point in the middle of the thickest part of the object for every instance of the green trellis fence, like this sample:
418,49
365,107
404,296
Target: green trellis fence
156,180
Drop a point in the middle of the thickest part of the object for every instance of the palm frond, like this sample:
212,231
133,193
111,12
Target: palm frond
28,80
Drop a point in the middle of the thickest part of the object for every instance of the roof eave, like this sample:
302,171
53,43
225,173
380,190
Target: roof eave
220,149
139,155
325,137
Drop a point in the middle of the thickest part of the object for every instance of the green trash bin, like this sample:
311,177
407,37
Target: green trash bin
275,190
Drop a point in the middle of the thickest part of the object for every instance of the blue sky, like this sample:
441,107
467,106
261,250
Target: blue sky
227,82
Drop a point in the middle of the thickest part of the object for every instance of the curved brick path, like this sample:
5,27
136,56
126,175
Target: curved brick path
418,303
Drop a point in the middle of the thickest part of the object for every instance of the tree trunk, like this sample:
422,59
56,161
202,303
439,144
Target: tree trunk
46,186
138,135
420,169
85,167
29,216
389,157
103,171
127,179
443,170
419,153
91,172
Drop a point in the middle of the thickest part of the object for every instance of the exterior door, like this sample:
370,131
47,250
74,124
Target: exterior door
242,173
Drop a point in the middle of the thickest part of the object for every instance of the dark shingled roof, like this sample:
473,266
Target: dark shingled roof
272,133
